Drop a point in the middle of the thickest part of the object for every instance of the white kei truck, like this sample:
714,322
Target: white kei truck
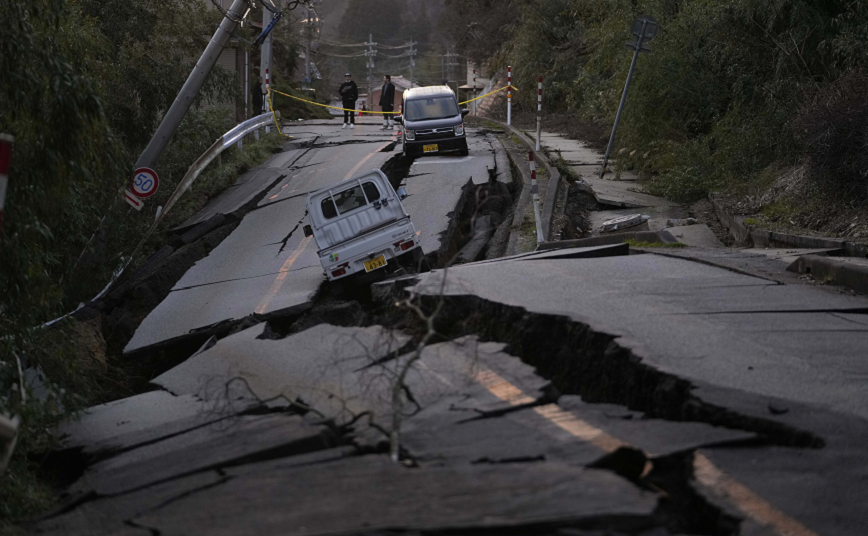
360,226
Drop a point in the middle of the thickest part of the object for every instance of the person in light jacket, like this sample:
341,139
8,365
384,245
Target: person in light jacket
387,102
349,94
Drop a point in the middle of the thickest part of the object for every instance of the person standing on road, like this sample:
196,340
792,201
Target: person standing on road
387,102
349,94
257,96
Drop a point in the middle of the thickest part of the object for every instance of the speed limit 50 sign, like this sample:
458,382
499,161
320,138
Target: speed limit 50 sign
145,183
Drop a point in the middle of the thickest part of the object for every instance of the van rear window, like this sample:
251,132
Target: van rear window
421,109
349,200
328,208
371,191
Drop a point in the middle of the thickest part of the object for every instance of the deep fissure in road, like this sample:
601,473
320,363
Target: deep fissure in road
574,357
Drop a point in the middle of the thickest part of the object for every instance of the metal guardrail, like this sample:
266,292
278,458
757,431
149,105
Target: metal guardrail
224,142
245,128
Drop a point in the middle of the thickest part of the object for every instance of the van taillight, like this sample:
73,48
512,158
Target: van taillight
404,245
342,269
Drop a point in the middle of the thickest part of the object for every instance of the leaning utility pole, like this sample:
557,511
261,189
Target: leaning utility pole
192,86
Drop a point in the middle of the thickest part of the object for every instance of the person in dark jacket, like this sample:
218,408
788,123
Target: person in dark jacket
387,102
349,94
256,91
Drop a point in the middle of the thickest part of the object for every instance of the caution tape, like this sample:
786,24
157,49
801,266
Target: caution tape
368,111
327,106
487,94
274,116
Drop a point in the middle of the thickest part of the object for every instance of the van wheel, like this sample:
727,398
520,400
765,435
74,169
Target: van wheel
464,151
420,262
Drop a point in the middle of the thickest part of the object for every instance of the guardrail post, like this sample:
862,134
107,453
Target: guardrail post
6,141
475,102
267,94
534,190
538,113
509,95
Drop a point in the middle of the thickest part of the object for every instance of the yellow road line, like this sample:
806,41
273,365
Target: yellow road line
365,159
750,503
284,270
706,473
281,277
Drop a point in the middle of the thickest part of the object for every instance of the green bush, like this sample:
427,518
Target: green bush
730,88
84,86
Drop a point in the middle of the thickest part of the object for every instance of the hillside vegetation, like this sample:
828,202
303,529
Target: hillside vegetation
84,85
766,100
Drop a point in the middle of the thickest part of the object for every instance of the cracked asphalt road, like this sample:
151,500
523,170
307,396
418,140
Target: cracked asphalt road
249,272
583,392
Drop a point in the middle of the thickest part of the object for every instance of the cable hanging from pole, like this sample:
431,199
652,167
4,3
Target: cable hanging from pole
324,42
276,17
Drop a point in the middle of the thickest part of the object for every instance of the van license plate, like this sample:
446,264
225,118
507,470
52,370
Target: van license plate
375,263
430,148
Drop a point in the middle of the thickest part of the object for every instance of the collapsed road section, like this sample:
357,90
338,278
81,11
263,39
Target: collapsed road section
571,391
268,267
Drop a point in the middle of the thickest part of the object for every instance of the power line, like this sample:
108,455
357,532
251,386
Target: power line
324,42
360,55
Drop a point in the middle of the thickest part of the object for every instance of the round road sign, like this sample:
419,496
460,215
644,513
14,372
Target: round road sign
145,182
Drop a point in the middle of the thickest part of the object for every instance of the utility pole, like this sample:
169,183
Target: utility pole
307,33
644,29
192,86
265,61
450,66
412,54
370,54
443,67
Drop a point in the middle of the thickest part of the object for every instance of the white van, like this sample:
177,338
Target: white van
361,226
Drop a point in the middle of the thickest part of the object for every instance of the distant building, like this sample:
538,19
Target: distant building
466,91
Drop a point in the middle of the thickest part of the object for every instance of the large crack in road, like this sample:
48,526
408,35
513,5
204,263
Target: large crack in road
589,373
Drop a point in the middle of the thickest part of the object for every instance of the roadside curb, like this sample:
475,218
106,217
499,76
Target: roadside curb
818,266
554,175
838,272
605,240
520,204
764,238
